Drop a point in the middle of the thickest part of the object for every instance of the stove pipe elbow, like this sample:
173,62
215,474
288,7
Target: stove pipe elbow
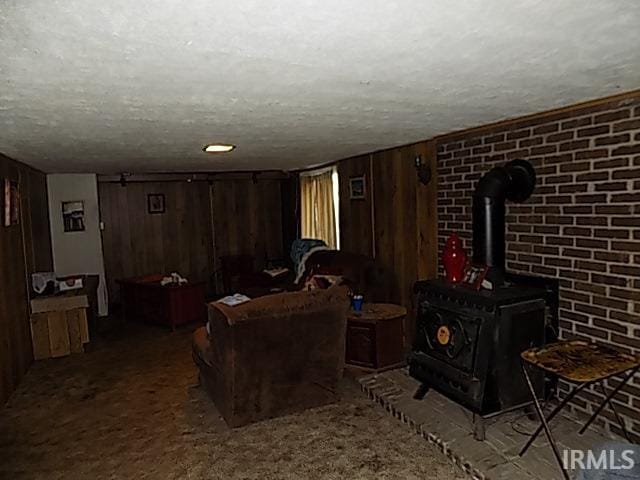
514,181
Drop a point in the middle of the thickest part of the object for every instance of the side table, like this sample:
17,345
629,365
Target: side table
375,337
581,364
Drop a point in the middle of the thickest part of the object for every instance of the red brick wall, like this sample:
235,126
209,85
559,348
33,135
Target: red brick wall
582,224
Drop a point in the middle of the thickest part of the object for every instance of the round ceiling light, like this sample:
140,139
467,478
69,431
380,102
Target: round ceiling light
218,148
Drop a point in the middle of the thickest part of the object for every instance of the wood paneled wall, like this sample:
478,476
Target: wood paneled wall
397,222
136,242
247,218
24,248
356,234
202,222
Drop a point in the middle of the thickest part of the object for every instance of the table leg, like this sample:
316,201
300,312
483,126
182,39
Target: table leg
545,425
551,416
608,400
615,412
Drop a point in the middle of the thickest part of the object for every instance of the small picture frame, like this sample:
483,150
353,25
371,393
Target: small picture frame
474,276
155,203
73,216
357,188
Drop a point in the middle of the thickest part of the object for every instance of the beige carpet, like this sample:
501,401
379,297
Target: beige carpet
131,409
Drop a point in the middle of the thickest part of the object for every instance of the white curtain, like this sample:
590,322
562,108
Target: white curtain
318,212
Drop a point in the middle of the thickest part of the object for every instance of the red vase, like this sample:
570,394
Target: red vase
454,259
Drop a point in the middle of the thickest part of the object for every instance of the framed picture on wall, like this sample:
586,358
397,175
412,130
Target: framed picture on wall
11,195
73,216
155,203
357,188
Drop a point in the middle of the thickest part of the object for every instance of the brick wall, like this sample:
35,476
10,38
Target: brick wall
582,224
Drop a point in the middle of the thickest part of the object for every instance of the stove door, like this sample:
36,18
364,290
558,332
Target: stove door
449,335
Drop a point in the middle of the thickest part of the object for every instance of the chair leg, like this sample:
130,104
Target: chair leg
615,412
551,416
545,425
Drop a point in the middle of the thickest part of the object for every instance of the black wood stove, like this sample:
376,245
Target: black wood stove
468,342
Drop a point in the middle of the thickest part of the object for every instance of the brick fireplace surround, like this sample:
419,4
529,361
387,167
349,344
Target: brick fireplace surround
582,225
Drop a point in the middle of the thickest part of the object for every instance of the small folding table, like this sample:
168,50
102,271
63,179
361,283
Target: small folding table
582,364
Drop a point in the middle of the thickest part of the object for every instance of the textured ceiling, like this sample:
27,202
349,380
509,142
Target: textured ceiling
140,85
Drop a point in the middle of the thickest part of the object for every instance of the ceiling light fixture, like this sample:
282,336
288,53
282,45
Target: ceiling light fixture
218,148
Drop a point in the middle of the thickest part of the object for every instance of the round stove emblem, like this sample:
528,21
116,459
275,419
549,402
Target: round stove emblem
444,335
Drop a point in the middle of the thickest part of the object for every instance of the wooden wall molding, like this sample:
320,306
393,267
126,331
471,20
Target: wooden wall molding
559,113
194,177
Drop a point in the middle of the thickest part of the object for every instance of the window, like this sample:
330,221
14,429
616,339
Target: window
319,195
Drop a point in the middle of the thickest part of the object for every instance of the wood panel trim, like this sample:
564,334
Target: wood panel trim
497,125
568,110
196,177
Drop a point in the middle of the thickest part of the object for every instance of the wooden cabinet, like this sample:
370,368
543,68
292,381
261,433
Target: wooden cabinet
375,337
59,325
144,299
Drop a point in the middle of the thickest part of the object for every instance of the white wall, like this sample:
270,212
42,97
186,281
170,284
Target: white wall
77,252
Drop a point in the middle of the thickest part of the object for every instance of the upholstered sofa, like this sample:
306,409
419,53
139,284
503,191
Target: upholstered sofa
273,355
360,273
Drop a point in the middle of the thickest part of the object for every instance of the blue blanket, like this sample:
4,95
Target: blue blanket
301,246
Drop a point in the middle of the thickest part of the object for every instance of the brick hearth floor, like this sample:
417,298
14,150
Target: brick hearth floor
449,426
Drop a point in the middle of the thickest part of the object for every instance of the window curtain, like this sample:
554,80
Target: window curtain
318,214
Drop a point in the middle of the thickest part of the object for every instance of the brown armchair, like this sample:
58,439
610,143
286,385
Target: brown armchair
274,355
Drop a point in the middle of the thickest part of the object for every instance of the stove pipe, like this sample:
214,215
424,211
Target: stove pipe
514,181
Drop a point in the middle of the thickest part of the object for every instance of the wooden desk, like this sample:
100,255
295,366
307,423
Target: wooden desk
144,299
375,337
59,325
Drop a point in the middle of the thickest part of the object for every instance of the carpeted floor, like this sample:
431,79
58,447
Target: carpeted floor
131,409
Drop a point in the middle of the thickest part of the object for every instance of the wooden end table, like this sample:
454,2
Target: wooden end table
375,337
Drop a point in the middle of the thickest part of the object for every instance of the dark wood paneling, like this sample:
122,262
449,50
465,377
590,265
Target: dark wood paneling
247,219
405,222
23,248
201,223
402,232
35,218
290,198
136,242
394,183
355,215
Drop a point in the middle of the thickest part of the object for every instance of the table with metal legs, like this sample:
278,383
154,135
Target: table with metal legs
582,364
